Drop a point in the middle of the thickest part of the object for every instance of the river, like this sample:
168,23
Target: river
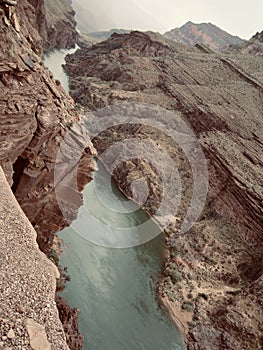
113,288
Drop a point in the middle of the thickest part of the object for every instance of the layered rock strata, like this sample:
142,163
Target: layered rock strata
56,23
36,115
212,277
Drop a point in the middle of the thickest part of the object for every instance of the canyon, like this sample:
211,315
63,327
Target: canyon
212,280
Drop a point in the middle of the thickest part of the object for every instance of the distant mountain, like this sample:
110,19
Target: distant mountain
86,40
205,33
104,35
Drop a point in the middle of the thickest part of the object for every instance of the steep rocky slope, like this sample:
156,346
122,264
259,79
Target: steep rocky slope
28,314
212,278
253,46
205,33
36,114
56,23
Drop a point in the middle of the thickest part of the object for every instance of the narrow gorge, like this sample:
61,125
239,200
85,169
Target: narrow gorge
213,277
128,92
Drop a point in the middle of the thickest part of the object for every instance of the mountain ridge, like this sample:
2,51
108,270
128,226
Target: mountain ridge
204,33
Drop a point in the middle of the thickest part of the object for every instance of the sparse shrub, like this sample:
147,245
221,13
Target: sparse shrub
153,210
64,277
174,253
191,324
52,255
188,306
70,124
190,296
175,276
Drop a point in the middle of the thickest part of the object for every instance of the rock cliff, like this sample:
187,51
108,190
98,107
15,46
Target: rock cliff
56,23
212,277
36,114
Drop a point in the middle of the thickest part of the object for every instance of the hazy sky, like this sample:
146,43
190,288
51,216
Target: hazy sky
238,17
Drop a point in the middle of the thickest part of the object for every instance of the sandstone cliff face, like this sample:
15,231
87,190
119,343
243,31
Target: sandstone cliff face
212,278
56,23
205,33
36,114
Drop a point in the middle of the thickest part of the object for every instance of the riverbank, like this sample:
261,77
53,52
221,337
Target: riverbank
181,319
123,278
213,266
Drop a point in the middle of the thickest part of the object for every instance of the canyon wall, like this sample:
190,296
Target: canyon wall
56,23
212,277
36,115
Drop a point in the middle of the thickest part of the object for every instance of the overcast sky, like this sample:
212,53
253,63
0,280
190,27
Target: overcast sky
238,17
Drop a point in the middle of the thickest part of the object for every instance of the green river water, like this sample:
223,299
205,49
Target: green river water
114,288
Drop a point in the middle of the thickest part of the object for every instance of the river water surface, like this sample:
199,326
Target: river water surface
114,288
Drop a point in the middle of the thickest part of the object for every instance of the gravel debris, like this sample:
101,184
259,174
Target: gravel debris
27,283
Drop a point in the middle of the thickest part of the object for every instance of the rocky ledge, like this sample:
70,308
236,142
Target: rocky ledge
212,279
29,317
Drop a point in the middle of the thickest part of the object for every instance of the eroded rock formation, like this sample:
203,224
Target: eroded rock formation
212,278
56,23
36,115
